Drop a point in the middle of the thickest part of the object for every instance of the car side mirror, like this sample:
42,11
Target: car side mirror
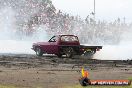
52,40
49,41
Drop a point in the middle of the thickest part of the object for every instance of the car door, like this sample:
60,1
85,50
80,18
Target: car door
53,45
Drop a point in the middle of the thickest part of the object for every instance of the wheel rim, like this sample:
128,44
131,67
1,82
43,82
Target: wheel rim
38,51
69,52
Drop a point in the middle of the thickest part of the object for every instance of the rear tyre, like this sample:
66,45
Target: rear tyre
69,52
39,52
89,54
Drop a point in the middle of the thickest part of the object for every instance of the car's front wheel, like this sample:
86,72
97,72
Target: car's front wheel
39,51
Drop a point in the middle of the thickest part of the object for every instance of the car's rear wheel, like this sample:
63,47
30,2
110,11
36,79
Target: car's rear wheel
69,52
39,51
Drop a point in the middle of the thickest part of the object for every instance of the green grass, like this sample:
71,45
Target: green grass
130,79
9,86
2,86
12,86
79,86
76,86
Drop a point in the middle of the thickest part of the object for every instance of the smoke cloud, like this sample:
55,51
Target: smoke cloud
13,38
10,41
121,51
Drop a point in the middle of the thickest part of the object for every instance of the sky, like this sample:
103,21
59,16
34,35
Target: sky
105,9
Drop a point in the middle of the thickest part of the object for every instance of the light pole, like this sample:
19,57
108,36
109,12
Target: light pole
94,23
94,10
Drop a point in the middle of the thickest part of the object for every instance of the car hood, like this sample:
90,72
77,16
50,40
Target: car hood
41,43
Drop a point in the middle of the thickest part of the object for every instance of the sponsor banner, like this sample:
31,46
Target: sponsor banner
85,81
110,82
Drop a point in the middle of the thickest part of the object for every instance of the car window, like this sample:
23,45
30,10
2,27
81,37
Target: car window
69,38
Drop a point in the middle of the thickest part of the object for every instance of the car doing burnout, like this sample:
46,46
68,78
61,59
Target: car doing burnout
67,45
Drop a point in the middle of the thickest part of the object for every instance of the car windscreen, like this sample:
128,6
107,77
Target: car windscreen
69,38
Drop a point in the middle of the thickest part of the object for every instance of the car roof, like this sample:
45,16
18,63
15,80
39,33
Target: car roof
65,35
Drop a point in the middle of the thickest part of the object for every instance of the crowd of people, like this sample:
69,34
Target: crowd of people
88,30
32,13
